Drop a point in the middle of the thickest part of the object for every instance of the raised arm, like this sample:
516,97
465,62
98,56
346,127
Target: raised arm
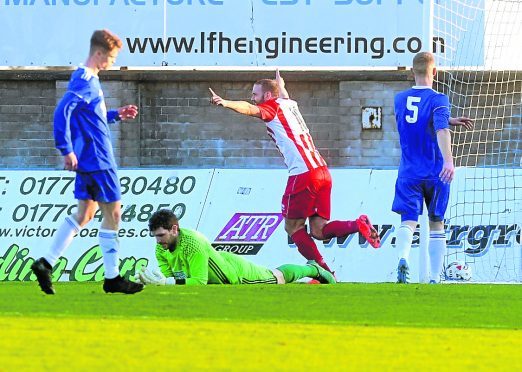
241,107
283,93
462,121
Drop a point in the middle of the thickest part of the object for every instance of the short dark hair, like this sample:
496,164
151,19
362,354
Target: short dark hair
105,40
163,218
269,85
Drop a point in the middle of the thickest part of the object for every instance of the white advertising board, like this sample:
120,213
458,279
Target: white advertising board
33,204
249,208
239,211
343,33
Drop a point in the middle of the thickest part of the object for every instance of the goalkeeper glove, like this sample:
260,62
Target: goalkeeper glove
155,277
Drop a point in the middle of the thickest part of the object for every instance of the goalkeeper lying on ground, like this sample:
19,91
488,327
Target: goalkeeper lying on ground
186,257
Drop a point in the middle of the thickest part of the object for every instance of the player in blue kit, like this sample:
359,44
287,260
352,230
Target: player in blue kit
82,135
426,168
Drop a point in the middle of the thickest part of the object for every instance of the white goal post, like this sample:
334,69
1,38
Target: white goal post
479,52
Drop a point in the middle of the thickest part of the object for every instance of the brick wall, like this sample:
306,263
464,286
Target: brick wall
177,126
26,110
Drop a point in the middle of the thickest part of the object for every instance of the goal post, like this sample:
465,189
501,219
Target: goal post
480,69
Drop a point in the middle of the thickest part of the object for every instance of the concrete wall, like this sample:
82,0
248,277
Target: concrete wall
177,126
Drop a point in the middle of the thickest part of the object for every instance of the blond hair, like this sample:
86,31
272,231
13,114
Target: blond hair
423,62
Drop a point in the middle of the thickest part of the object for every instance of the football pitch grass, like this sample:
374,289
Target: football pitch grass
343,327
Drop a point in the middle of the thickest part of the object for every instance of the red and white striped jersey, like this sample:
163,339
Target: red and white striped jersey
288,130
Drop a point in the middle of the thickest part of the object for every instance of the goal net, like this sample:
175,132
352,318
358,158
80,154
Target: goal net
479,51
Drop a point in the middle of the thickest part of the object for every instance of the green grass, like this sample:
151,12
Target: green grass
297,326
470,306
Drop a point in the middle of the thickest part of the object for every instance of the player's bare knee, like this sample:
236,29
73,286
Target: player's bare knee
292,226
116,217
436,225
290,229
83,218
111,215
317,234
317,225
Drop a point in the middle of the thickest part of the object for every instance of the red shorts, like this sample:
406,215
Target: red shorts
308,194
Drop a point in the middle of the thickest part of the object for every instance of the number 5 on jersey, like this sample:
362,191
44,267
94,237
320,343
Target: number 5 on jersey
411,105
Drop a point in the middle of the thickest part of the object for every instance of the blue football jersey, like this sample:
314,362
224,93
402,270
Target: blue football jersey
419,113
81,123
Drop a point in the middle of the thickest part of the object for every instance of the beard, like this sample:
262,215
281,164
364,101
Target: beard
172,244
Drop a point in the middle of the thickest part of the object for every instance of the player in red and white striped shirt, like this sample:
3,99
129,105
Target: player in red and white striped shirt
307,194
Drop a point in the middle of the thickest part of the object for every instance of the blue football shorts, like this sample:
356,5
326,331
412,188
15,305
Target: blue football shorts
410,194
101,186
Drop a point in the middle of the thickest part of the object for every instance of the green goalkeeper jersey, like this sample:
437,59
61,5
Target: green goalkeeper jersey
195,260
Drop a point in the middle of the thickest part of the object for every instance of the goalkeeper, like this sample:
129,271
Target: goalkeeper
186,257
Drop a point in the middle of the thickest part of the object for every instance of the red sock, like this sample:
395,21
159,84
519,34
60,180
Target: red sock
339,228
307,247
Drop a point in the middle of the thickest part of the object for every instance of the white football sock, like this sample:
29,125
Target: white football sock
109,245
403,241
62,240
437,250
